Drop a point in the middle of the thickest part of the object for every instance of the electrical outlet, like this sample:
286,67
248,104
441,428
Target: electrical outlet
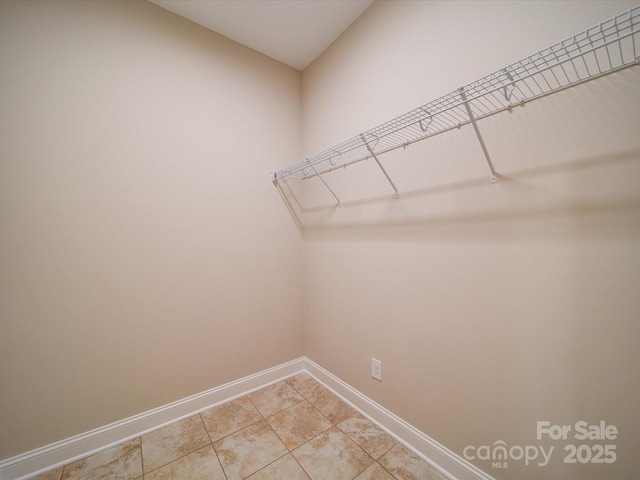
376,369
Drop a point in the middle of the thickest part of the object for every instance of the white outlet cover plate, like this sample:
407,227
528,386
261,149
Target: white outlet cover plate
376,369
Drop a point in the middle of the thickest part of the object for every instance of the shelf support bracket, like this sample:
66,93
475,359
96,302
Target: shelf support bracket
463,95
325,183
379,164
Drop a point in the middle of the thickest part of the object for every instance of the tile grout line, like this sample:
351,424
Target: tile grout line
272,429
141,457
334,425
291,451
211,443
212,446
316,436
279,438
177,458
375,460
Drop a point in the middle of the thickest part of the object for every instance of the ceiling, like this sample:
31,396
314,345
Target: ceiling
293,32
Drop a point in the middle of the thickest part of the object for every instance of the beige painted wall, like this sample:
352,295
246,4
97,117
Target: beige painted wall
144,254
492,307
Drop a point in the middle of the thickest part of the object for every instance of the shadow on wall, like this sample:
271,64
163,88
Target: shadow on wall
567,168
521,203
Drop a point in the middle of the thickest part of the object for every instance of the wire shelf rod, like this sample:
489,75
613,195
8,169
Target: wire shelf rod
607,47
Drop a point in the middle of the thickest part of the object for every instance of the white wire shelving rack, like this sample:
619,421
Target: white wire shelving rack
609,46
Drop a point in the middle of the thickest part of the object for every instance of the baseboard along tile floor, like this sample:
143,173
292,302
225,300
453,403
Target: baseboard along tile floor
295,429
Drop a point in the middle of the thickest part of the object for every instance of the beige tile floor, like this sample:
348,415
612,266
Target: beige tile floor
293,430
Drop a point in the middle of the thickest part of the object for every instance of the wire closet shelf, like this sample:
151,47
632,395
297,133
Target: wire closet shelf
604,48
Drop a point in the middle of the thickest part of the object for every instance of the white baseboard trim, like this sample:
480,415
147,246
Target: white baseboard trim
441,458
66,451
38,461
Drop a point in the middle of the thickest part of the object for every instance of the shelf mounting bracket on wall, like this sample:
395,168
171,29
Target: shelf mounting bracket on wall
325,183
463,95
375,157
